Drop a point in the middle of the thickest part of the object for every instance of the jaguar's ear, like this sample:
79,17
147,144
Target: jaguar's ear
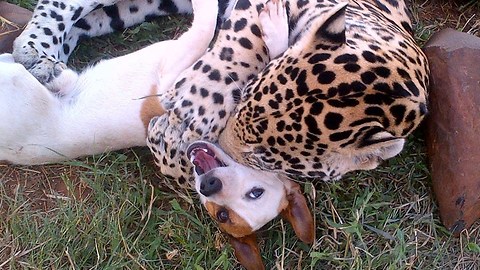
329,27
297,212
247,252
333,29
377,147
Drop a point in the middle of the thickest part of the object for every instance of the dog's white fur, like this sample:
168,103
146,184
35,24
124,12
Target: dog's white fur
98,110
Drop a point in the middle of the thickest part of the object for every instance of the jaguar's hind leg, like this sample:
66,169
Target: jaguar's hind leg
56,27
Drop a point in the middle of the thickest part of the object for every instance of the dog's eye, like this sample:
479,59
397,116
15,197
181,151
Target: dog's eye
255,193
222,215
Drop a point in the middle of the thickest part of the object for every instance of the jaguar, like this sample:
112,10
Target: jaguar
350,87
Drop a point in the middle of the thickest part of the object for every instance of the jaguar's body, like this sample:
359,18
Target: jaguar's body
334,103
343,97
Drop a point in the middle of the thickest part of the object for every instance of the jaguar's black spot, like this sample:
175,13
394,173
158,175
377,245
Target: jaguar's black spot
82,24
77,14
226,25
204,92
186,103
56,16
374,111
243,5
256,30
318,68
66,49
333,120
201,110
168,6
116,22
398,112
382,72
133,9
326,77
245,43
226,54
240,25
206,68
319,57
222,114
215,75
217,98
180,83
353,68
346,58
368,77
339,136
197,65
369,56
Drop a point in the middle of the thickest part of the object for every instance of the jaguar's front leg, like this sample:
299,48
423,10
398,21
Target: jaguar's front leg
168,147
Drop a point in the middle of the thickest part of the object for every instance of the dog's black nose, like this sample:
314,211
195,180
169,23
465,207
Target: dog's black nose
210,186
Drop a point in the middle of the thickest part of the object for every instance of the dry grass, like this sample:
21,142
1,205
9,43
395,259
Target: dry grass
7,27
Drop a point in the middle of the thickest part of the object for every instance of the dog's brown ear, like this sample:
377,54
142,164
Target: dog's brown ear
298,214
247,252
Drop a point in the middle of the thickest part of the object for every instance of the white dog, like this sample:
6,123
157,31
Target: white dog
104,108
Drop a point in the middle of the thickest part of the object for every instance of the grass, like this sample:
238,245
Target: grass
114,212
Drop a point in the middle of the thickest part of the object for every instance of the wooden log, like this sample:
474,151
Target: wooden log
453,139
12,21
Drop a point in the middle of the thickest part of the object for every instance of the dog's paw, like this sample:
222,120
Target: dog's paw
63,84
274,23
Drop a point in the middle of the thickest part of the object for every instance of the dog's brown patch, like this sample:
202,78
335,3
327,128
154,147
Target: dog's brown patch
151,107
235,226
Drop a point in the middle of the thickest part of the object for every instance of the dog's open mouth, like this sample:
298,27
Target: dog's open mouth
203,158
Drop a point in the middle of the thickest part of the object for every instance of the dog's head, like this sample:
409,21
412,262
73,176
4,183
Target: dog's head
242,199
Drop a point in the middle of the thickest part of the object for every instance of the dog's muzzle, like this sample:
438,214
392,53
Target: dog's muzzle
210,186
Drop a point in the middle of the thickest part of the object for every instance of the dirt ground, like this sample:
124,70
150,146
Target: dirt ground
43,185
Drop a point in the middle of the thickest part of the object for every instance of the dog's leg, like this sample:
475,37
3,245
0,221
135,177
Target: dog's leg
189,47
26,108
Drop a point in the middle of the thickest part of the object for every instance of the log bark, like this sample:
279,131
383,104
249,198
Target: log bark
12,21
453,139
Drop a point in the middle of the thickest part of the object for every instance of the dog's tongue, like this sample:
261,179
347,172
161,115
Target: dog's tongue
204,162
